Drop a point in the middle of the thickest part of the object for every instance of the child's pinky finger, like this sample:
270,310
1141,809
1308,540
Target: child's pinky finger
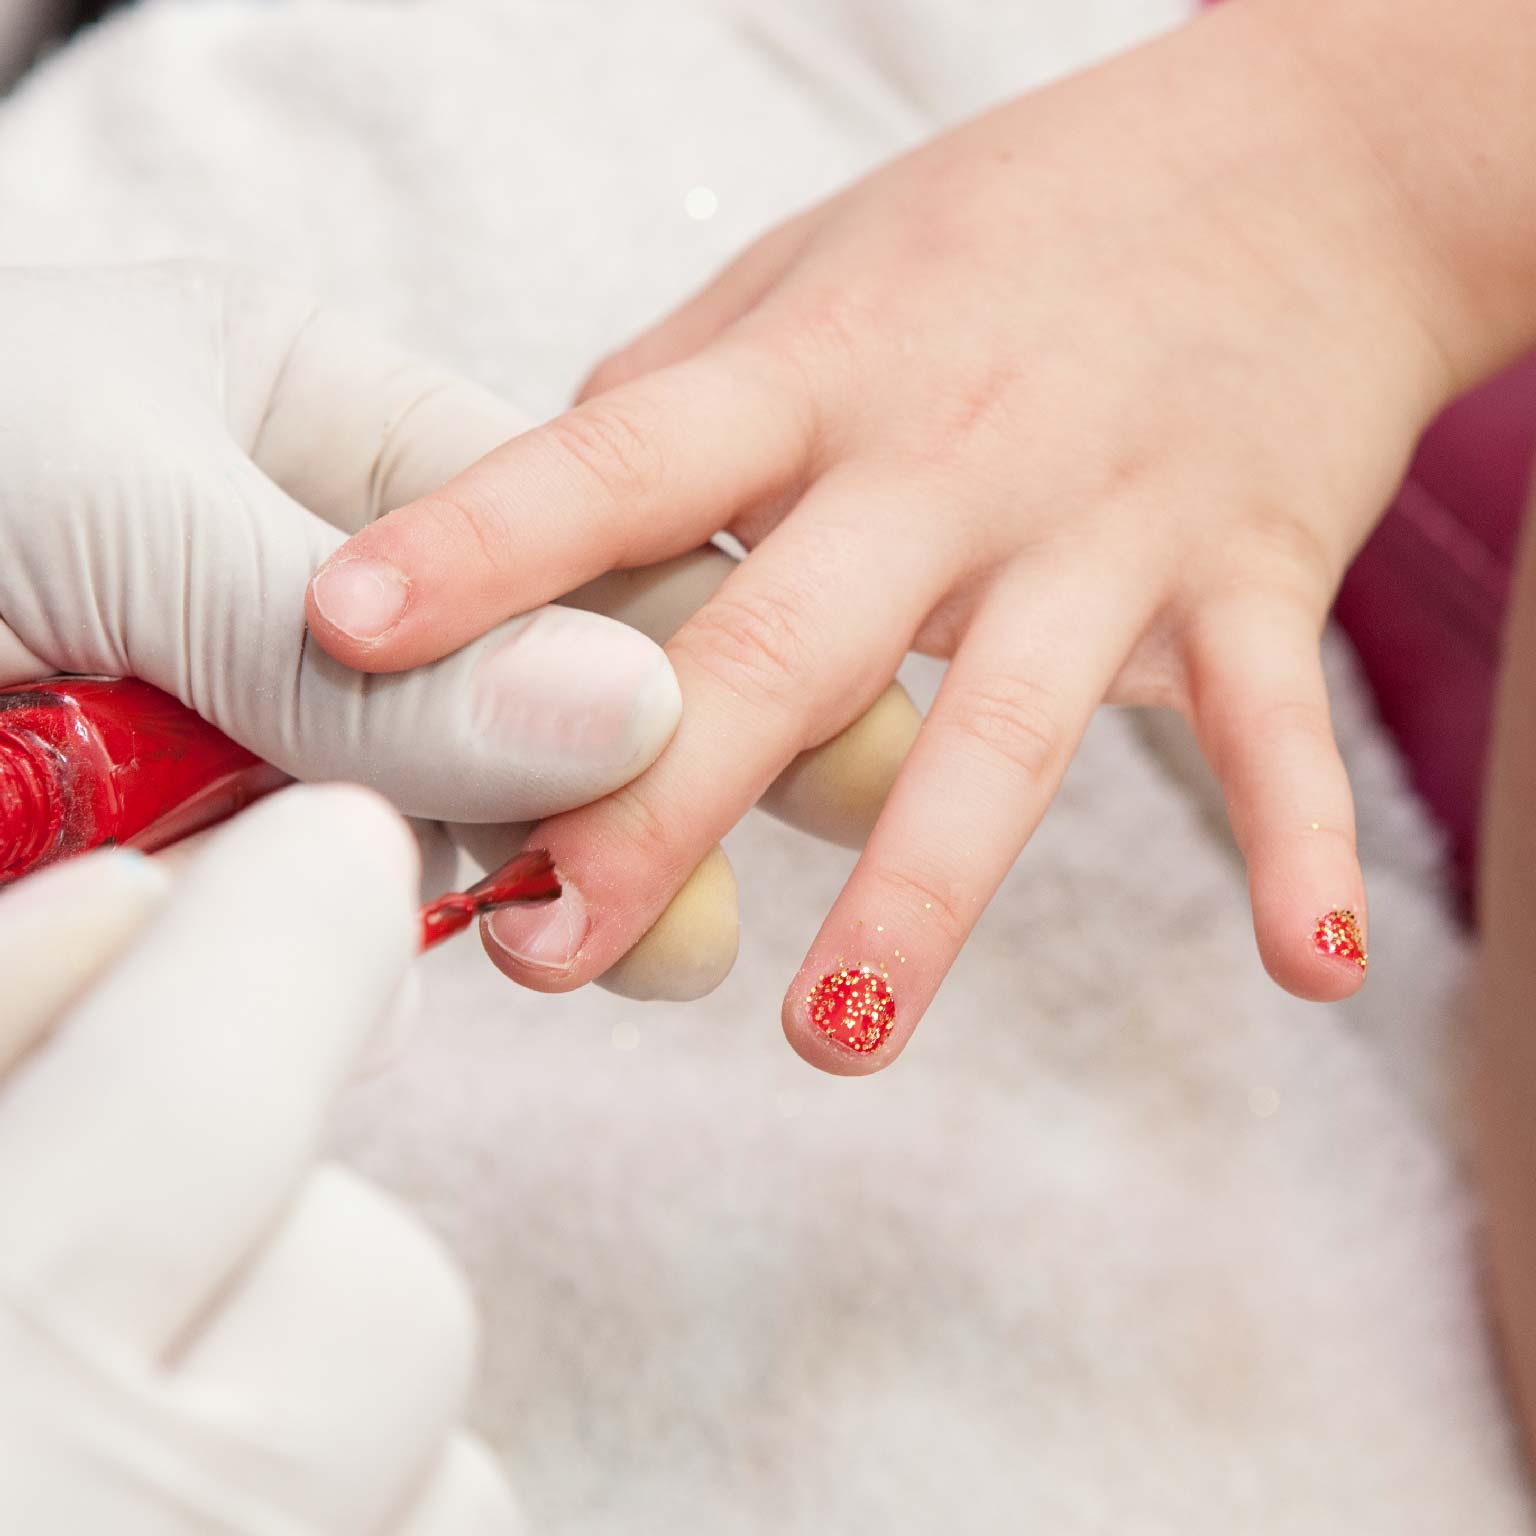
1260,707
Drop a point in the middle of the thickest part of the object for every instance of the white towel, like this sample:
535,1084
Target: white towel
1128,1242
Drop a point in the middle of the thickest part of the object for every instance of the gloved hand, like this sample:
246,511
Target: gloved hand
182,445
200,1329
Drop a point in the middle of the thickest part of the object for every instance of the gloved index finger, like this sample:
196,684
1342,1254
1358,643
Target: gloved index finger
356,425
146,1152
61,928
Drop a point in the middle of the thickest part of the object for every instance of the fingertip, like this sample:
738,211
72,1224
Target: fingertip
355,605
1315,950
61,927
533,978
1315,982
374,832
539,945
844,1020
657,711
690,949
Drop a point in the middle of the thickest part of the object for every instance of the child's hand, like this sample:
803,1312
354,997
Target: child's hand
1097,395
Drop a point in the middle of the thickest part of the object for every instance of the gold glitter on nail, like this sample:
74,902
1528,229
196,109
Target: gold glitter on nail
1338,934
853,1006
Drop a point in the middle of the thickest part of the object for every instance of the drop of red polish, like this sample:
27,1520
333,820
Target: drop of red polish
853,1005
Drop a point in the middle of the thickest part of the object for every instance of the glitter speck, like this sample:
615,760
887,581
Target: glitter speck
701,203
1338,934
854,1006
626,1036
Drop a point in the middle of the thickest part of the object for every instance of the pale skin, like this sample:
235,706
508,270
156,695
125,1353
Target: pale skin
1096,396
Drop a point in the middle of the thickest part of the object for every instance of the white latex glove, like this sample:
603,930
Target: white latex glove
201,1331
181,446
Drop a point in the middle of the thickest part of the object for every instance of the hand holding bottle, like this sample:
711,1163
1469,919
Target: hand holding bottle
183,446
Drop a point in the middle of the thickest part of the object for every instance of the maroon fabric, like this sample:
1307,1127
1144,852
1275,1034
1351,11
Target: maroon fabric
1424,601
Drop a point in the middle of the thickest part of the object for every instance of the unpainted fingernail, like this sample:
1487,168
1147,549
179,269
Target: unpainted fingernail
363,598
548,935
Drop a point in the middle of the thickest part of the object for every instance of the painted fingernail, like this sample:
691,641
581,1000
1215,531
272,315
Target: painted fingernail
853,1005
549,935
1338,934
362,598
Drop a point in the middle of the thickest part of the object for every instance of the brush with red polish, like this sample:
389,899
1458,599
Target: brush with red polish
527,876
89,762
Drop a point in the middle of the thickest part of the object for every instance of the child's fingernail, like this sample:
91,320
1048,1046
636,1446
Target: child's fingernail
549,935
853,1005
362,598
1338,934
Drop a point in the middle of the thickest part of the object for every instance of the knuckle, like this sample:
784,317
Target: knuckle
1343,838
819,338
1295,719
644,827
753,644
1014,720
932,895
609,445
1304,559
463,517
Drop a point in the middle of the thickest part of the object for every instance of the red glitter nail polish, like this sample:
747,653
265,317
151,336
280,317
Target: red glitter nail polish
86,762
853,1005
1338,934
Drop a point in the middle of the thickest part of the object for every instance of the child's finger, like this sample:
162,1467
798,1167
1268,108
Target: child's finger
1037,661
638,474
798,641
833,791
1261,711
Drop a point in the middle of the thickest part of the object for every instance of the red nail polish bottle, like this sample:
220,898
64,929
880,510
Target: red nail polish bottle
90,761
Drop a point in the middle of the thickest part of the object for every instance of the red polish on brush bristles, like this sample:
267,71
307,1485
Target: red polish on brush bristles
86,762
528,877
853,1005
